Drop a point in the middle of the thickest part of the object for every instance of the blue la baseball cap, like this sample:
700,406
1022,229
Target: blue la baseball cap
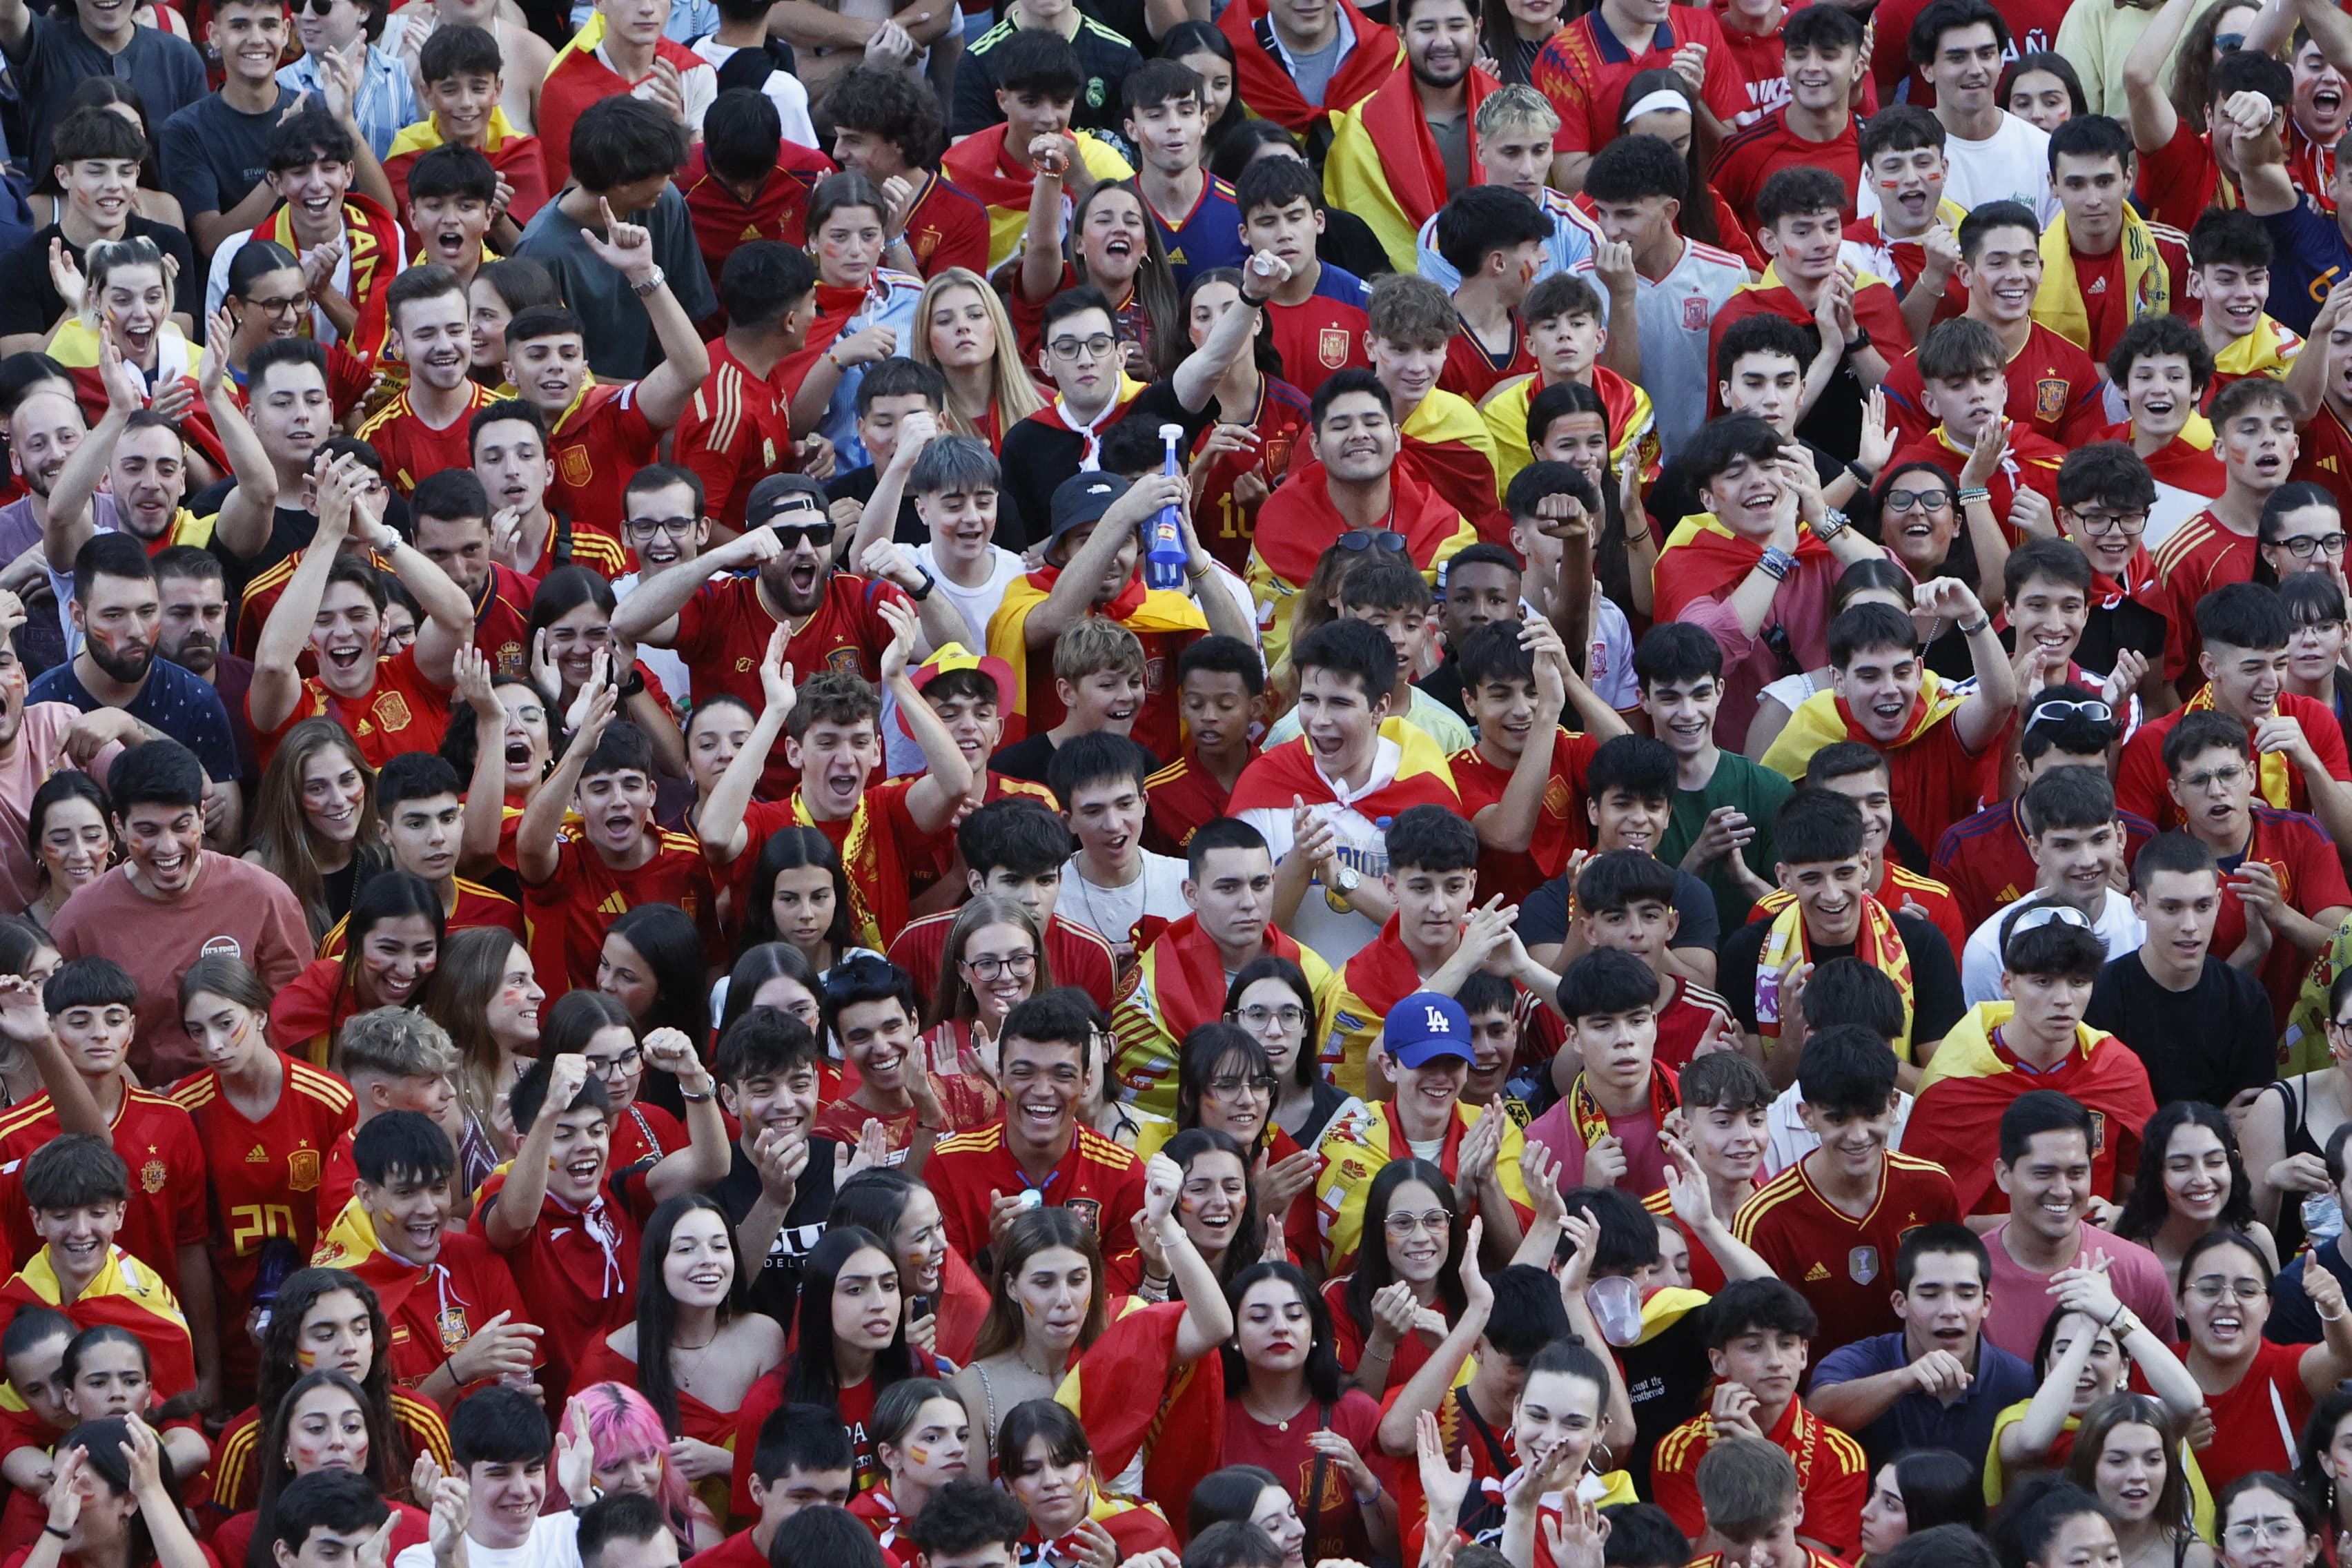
1425,1025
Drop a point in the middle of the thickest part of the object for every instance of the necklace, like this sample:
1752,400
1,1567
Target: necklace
685,1373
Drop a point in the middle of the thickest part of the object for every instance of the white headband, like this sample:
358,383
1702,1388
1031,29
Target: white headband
1651,102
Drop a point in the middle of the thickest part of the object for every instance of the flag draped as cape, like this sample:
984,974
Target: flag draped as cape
1704,560
1138,608
125,1294
1384,166
1264,86
1133,1397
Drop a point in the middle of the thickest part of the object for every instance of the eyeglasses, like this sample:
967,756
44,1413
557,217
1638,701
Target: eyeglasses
1076,350
621,1066
2269,1531
279,305
1437,1222
1373,538
1019,965
791,535
1233,1086
2060,709
2098,524
647,527
531,715
2303,544
1257,1018
1923,500
2228,778
2212,1286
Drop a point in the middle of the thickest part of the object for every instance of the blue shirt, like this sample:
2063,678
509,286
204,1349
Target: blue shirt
1208,236
1922,1421
1570,242
172,700
385,101
2311,255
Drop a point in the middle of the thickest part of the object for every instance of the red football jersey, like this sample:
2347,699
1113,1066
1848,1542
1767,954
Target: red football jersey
570,912
1560,829
450,1304
602,439
577,1271
502,620
1688,1017
735,432
1320,335
2181,179
778,210
477,906
402,711
2325,456
157,1140
877,860
1179,801
722,634
2053,388
1583,69
2202,554
947,226
1844,1265
261,597
412,450
1097,1180
1472,370
1747,158
1227,525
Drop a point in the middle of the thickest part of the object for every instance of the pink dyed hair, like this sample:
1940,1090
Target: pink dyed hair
619,1424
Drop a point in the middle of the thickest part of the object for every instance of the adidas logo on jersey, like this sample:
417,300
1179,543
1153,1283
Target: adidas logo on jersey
1816,1273
258,1156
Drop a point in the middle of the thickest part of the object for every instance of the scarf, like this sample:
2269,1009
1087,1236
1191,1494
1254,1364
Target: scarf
1704,560
372,243
351,1242
2273,777
837,305
1384,166
1298,522
1263,82
2268,350
1423,778
125,1294
1877,943
1824,718
2058,304
861,865
2139,583
1138,608
1593,1122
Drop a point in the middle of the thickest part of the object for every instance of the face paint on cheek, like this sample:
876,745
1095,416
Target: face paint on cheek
305,1358
919,1455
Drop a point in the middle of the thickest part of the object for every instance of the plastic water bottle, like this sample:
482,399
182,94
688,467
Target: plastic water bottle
1164,557
2322,1218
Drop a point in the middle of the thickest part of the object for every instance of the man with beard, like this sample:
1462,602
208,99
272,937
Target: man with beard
45,423
195,595
719,622
334,609
1404,152
423,429
507,442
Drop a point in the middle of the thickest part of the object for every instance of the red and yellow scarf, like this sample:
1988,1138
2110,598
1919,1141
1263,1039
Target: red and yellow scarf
1878,945
861,867
371,238
1593,1122
1824,718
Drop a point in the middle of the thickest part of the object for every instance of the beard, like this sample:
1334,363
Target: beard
127,667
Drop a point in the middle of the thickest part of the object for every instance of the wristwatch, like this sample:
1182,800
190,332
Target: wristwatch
1341,888
654,280
1860,339
1832,524
930,583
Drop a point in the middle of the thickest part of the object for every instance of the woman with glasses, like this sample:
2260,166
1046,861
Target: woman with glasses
1270,999
995,959
1393,1308
2316,663
2192,1181
2259,1394
267,299
1226,1079
2090,1346
2266,1521
2129,1454
2302,530
2286,1133
596,1027
571,627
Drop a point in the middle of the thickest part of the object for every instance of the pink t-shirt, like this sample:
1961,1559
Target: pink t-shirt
2020,1296
22,772
1645,1157
234,909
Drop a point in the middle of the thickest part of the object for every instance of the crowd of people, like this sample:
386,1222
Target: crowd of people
1175,783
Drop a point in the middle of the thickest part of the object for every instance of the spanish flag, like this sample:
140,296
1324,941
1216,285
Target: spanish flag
1134,1396
1972,1078
1354,1152
373,246
1138,608
1704,560
979,165
1447,446
2269,350
1177,984
1384,166
1422,777
514,155
126,1294
1632,423
1824,718
351,1244
1264,84
1298,523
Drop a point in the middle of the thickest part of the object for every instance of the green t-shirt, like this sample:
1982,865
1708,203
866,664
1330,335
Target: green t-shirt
1757,793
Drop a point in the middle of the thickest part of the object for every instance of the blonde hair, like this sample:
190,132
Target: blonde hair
393,1042
1097,644
1515,108
1009,388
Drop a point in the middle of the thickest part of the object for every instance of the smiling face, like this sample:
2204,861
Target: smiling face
1910,185
836,759
161,843
410,1213
2130,1471
1107,815
547,371
1556,1408
395,957
436,340
2197,1179
333,795
1339,722
2160,394
1111,242
313,194
2049,1186
1000,963
1854,1142
781,1103
249,36
1880,687
1418,1232
879,1040
507,1498
1830,893
463,101
74,844
579,1155
1965,68
42,434
148,475
2005,273
2310,539
700,1265
1441,39
1209,1204
346,639
616,809
1045,1082
102,190
1946,1304
2077,865
78,1238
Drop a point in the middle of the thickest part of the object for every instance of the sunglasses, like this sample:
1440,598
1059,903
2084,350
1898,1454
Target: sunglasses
2059,712
790,534
1373,538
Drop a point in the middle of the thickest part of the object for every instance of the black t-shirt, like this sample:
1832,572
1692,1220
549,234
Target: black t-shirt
1936,1003
29,301
2130,624
1444,684
2206,1043
858,485
775,1290
1037,456
1348,244
1543,915
1030,757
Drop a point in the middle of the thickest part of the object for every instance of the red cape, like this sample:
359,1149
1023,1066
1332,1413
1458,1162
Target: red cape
1709,566
1266,89
976,164
1183,1428
1298,522
1958,1120
1289,769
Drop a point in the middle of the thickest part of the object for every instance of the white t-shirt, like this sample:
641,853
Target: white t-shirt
1118,911
554,1543
1788,1141
1675,314
978,604
1357,840
784,89
2118,929
2012,164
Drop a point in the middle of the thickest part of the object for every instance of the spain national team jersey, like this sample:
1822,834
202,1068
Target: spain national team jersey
1749,157
1688,1017
1844,1265
236,1466
413,450
880,845
1984,861
157,1140
434,1310
947,226
722,634
403,711
1559,829
576,1271
563,545
1833,1475
734,433
261,597
2202,554
1208,236
778,210
1097,1180
2053,386
502,620
264,1175
1179,801
1472,370
2325,458
1324,333
597,443
1583,69
476,905
569,913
